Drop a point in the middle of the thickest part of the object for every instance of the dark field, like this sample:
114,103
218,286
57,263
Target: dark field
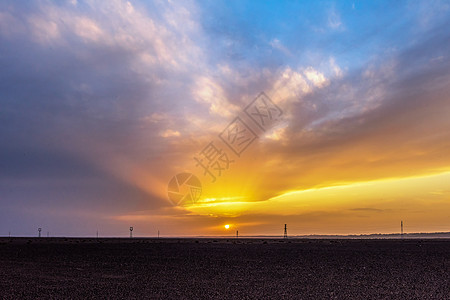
224,269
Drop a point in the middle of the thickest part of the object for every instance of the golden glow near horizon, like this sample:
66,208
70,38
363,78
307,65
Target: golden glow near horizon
386,201
330,162
362,187
318,134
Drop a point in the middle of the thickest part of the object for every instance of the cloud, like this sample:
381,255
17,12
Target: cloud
170,133
289,85
367,209
382,122
334,19
336,69
315,77
206,90
275,43
106,101
84,93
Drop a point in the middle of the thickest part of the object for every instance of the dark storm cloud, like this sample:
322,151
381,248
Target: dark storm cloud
74,100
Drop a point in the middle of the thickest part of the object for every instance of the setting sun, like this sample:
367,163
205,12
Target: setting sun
256,130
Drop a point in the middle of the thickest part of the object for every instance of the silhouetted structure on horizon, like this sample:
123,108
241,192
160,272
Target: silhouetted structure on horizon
401,229
285,231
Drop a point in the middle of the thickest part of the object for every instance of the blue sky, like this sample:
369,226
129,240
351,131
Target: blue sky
101,103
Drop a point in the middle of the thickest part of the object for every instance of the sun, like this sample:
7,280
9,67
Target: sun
227,226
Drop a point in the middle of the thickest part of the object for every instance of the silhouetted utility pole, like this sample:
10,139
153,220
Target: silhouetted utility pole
39,231
97,233
401,228
131,232
237,233
285,231
158,234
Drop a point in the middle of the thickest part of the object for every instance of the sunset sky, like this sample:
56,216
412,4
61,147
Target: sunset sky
103,102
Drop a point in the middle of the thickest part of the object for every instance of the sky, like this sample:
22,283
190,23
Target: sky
102,103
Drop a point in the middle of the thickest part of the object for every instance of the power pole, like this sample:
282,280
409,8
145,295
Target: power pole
158,234
401,228
39,231
237,233
285,231
131,232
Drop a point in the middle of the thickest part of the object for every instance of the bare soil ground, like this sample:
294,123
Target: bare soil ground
224,268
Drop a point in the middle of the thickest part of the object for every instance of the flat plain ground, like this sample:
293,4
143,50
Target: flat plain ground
224,268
